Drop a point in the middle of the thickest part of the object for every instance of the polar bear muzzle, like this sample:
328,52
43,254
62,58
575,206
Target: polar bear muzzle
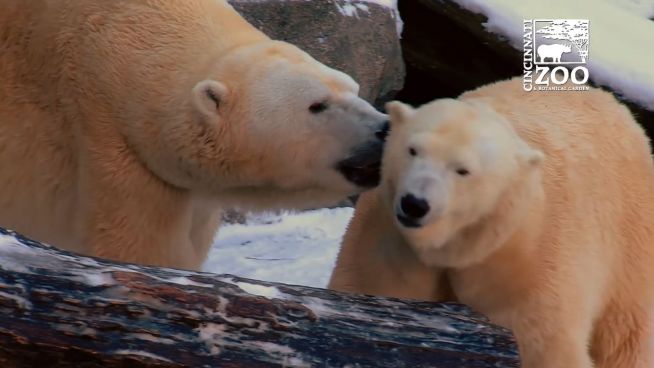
363,166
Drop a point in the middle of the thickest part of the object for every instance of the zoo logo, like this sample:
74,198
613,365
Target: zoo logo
560,42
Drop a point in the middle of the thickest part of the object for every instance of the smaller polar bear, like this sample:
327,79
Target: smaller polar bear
533,208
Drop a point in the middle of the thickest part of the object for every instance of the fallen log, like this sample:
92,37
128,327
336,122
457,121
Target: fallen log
59,309
357,37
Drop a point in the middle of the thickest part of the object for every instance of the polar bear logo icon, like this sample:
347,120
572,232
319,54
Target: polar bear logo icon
553,51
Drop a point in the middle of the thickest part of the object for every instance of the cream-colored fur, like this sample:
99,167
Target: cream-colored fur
550,233
126,125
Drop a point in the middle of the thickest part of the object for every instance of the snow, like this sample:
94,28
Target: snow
388,3
217,338
151,338
269,292
291,248
141,353
620,53
97,279
351,8
181,280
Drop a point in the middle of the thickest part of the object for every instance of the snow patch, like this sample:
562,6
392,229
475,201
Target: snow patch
387,3
207,334
269,292
290,248
181,280
96,279
350,8
10,246
141,353
363,7
151,338
214,337
347,9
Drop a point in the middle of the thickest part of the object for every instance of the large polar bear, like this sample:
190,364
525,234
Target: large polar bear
536,209
125,126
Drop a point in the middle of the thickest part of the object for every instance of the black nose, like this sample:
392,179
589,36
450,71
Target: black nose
382,133
414,207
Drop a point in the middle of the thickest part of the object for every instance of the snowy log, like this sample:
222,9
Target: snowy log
59,309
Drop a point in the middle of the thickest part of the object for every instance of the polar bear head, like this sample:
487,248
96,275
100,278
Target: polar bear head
269,126
452,172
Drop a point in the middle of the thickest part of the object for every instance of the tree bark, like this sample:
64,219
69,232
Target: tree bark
59,309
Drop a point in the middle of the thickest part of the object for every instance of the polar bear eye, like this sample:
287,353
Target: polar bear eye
318,107
412,151
462,172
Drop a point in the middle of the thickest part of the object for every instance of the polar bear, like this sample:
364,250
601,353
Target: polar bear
533,208
125,126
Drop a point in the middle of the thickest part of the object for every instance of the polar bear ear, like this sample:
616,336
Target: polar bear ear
399,112
208,95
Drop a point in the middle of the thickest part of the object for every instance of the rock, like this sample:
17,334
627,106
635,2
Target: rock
357,37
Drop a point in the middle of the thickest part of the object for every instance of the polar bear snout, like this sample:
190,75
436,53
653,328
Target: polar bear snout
411,210
421,199
363,166
382,132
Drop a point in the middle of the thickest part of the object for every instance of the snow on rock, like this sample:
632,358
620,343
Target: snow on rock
151,338
291,248
620,52
350,8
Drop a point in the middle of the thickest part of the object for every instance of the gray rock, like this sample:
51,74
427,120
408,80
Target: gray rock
364,44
